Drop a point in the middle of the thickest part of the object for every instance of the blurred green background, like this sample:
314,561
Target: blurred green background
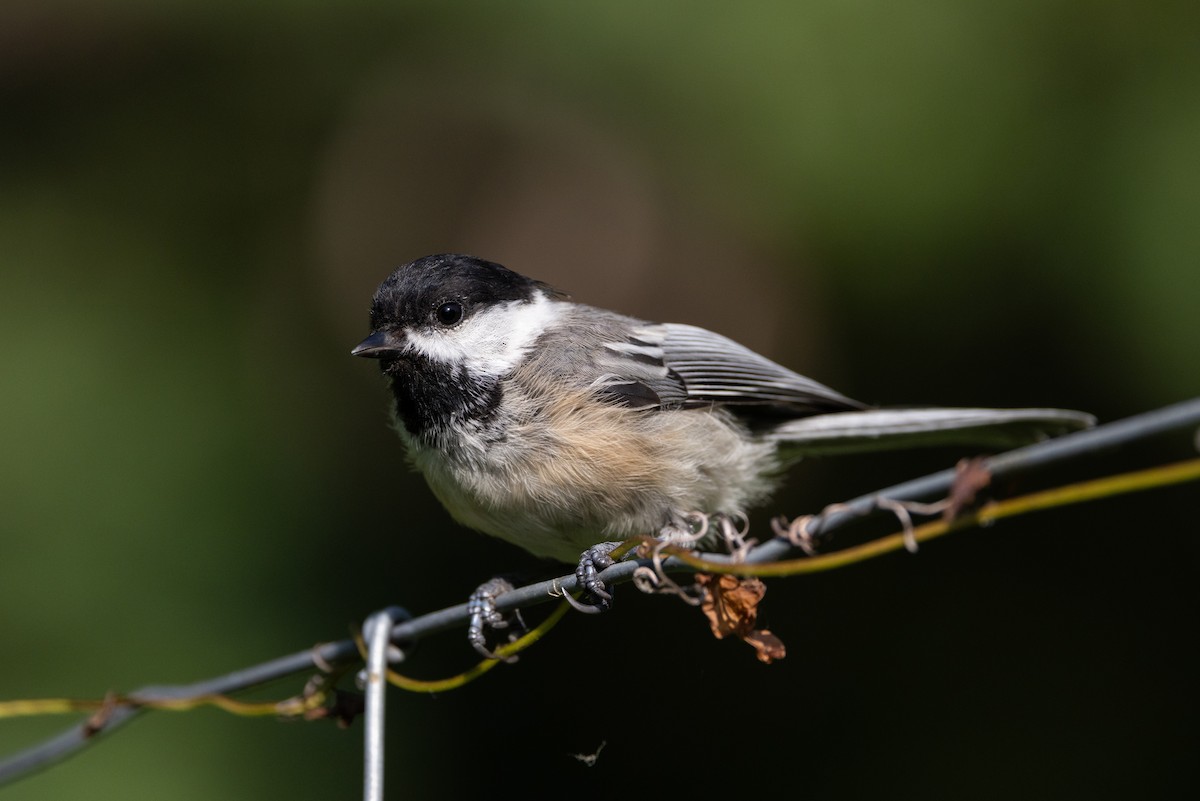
915,202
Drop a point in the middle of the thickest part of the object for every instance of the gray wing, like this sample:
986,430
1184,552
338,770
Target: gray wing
669,365
674,365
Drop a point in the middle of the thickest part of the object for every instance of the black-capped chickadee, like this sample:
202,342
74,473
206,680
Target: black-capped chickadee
556,426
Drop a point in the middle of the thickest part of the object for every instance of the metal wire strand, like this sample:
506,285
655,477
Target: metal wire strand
377,632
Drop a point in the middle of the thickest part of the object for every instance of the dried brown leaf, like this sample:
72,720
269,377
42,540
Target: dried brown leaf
731,606
767,645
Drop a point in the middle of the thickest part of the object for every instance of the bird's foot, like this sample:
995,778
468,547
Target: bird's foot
485,617
595,596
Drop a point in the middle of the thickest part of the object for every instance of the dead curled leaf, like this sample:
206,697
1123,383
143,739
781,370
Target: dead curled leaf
731,606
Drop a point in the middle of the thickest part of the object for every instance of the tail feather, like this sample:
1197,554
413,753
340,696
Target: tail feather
895,429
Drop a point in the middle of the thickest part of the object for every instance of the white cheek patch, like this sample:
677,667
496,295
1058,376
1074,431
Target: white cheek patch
490,342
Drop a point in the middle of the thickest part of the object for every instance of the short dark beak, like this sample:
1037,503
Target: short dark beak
380,345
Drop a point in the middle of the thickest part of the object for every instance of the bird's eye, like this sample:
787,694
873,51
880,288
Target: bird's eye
449,313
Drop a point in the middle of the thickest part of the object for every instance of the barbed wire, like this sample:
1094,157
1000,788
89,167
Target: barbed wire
334,659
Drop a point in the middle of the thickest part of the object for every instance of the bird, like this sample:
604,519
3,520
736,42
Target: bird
559,426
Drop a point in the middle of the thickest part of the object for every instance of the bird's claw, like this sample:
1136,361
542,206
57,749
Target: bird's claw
483,615
591,563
